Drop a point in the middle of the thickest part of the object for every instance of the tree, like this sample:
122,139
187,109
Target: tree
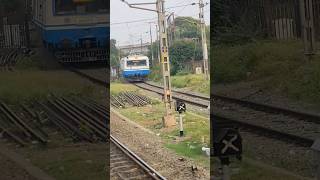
154,48
114,54
183,51
236,21
10,5
187,27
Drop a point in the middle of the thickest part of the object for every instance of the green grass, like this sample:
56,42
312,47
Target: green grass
196,130
28,85
190,149
281,63
193,82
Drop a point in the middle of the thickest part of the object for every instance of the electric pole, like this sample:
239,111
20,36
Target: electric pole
151,45
308,32
204,40
158,45
141,44
26,25
168,119
171,28
118,75
119,53
164,55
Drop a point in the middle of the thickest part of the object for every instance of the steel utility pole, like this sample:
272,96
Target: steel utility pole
204,40
26,25
158,45
119,53
151,46
141,44
170,28
168,119
307,22
118,75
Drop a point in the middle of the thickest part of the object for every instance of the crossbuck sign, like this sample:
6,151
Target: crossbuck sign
227,142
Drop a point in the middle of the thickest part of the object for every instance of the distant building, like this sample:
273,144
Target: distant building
135,49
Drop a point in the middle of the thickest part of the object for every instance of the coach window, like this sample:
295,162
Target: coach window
65,7
137,63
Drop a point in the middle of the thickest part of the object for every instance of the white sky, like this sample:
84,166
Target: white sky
130,33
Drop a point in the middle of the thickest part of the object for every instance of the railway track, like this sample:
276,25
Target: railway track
124,164
190,98
297,127
129,98
9,59
277,122
289,125
75,118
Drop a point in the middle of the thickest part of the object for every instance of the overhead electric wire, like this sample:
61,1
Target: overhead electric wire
172,7
134,21
154,19
182,9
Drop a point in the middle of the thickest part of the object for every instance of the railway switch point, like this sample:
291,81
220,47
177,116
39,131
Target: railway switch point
316,148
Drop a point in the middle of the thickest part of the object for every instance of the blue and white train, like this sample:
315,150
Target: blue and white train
135,67
75,30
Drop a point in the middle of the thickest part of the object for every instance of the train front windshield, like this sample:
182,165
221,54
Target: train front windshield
136,63
64,7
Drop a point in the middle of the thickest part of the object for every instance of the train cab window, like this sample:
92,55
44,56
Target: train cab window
137,63
63,7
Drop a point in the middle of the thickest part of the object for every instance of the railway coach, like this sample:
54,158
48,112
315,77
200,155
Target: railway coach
135,67
75,30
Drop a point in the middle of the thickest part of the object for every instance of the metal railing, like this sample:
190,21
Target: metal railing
12,35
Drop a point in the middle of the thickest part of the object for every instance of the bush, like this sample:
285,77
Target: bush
156,74
181,52
191,81
280,63
254,60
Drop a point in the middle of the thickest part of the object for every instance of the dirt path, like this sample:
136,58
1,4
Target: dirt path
151,148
